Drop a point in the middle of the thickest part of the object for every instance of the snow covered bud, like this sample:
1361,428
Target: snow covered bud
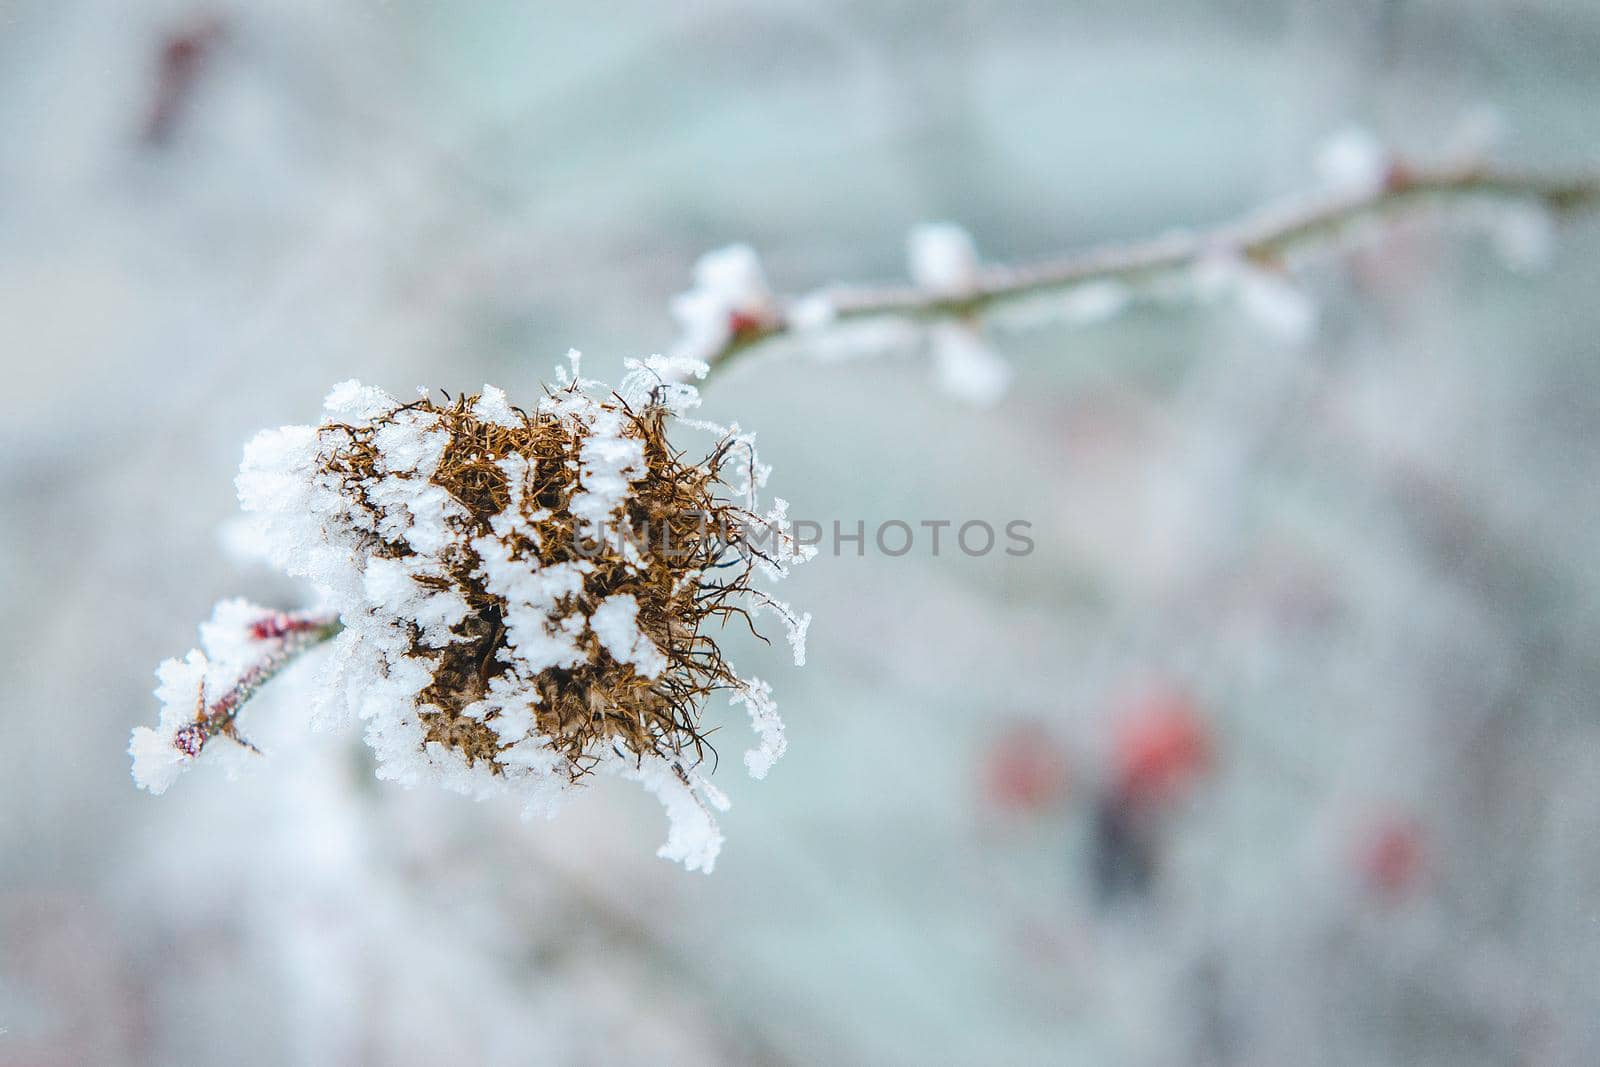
941,256
965,365
730,301
1265,295
1352,162
530,596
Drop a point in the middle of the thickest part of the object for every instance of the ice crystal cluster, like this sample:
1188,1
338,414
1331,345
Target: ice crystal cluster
528,598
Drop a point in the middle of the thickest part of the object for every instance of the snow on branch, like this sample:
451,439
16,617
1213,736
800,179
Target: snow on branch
731,311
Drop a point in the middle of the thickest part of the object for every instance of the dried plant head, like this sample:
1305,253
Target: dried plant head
528,595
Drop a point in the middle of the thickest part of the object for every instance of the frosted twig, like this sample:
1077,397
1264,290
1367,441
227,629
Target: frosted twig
288,635
1264,237
244,646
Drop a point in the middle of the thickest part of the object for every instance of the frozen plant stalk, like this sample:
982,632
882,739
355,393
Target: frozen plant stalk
517,600
499,624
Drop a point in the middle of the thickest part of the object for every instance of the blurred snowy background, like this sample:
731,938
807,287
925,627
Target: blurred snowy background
1282,747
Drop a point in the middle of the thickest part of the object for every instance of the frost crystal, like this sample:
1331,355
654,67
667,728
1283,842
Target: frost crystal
615,623
966,366
1352,162
522,598
756,696
1268,299
941,257
813,312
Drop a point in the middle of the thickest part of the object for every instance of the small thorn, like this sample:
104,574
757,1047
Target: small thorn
231,732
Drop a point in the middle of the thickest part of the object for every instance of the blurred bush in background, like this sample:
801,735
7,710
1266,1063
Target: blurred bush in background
1280,747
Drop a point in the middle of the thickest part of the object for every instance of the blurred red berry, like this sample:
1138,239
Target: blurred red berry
1025,770
1161,747
181,58
1391,858
743,324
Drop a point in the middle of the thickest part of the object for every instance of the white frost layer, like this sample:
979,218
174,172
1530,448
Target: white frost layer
1352,162
157,760
616,623
693,837
966,366
756,696
1268,299
313,526
941,256
186,688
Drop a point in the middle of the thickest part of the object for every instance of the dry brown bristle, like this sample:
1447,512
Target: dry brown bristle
683,518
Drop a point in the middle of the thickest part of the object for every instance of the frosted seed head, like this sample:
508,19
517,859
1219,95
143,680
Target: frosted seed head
531,595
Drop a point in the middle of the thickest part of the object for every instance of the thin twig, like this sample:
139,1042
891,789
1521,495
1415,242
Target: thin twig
297,635
1265,237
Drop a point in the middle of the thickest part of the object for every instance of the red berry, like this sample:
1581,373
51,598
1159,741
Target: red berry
1025,770
1392,859
743,324
1162,747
